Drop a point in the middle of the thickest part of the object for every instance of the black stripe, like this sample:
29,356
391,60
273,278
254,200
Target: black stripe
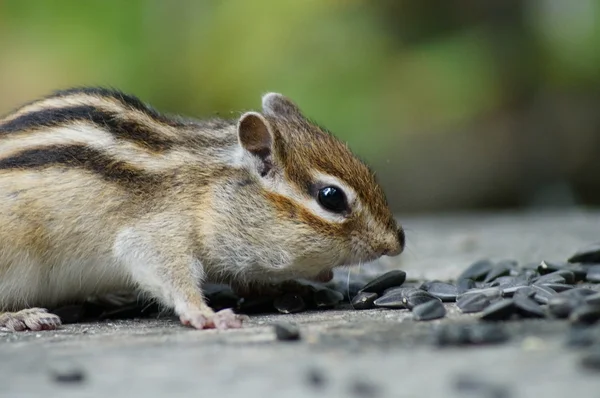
126,100
80,156
129,130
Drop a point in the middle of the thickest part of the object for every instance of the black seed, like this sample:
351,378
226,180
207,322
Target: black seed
363,388
68,374
593,299
589,254
477,271
444,291
550,278
585,314
561,306
491,293
393,300
464,285
543,293
557,287
470,386
285,331
593,274
526,291
547,267
349,290
472,334
315,378
473,303
327,298
591,361
258,305
568,275
223,298
414,298
364,301
289,304
452,335
430,310
581,337
579,292
506,281
484,333
527,277
70,313
501,310
509,291
500,269
527,307
385,281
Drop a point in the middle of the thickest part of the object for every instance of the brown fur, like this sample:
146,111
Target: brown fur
99,192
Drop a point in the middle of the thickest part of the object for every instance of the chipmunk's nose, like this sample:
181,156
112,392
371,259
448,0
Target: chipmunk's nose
395,244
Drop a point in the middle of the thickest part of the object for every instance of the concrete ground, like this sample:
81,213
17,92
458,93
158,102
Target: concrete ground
342,353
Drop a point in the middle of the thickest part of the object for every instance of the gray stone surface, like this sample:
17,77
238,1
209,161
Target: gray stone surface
356,353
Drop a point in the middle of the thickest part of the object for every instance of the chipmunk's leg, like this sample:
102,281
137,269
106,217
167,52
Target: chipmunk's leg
172,277
29,319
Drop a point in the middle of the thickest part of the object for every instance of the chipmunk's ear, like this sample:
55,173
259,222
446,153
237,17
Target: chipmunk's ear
256,136
275,104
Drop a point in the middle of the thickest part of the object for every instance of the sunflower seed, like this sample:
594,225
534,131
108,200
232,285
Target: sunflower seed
417,297
463,285
285,331
585,314
364,300
589,254
472,334
547,267
581,337
593,274
500,310
503,268
579,292
67,372
526,291
557,287
510,290
385,281
505,281
591,361
478,270
550,278
491,293
327,298
473,303
289,304
562,306
527,307
393,300
427,311
543,293
593,299
444,291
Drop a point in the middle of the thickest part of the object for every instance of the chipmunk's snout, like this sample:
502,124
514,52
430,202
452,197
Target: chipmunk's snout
395,244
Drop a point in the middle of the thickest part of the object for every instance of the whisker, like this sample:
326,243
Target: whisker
348,285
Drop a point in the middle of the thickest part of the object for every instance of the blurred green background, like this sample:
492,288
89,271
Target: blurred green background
457,105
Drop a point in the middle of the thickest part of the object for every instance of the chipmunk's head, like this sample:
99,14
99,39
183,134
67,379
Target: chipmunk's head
321,206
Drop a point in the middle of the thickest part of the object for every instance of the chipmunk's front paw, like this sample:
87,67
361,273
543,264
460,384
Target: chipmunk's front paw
29,319
224,319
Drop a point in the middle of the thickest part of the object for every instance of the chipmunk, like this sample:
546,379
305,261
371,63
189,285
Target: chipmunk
99,192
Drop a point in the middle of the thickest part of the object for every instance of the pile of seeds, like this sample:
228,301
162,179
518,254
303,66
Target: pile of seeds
497,290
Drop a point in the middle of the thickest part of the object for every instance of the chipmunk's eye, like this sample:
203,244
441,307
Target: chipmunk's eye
333,199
